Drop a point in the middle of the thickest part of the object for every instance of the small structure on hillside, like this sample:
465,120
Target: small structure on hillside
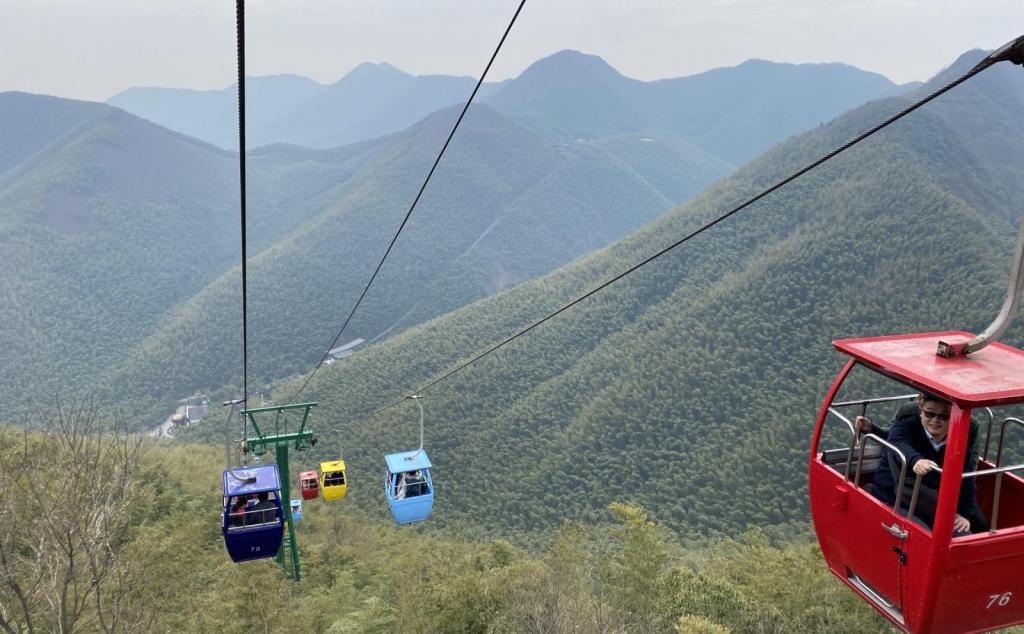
343,351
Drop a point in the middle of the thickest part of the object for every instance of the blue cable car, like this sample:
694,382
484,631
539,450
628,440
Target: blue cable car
252,520
407,482
408,486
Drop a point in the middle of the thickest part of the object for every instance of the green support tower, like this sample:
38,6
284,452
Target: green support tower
259,445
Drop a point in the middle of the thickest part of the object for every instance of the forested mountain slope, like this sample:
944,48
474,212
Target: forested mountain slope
508,203
99,191
691,386
107,222
503,206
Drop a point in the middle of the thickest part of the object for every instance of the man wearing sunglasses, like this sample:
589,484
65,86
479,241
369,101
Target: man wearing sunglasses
921,434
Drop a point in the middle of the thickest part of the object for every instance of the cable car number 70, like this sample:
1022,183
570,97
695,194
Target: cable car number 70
998,599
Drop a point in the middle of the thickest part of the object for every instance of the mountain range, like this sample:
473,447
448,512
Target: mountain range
121,236
691,386
731,113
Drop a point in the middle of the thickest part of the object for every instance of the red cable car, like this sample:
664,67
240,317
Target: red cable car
921,579
907,563
309,484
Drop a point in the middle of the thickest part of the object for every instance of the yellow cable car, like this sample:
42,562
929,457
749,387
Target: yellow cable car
333,483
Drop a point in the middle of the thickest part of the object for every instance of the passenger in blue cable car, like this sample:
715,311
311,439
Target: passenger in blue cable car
265,510
415,484
237,517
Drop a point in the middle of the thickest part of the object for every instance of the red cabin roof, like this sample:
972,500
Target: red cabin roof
992,376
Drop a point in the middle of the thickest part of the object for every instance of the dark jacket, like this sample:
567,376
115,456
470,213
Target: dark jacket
909,436
907,409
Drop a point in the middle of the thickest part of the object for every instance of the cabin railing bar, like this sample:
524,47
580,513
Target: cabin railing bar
1002,436
994,526
995,471
853,441
903,467
988,431
871,401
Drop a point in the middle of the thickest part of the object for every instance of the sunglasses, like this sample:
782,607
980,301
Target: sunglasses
943,418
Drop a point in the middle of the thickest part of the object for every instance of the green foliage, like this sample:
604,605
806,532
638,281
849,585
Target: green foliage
691,386
364,575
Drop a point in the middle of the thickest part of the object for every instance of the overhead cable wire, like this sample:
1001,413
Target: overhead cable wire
415,201
1013,52
240,39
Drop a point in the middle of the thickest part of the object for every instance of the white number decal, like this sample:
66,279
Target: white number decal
999,599
256,549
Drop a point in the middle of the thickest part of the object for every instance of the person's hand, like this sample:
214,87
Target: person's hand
863,424
961,524
923,466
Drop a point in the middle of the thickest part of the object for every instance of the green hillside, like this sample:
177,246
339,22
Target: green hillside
121,266
107,223
156,562
110,196
690,387
503,206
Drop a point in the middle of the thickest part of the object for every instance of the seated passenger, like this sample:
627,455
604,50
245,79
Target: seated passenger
415,484
265,510
334,478
921,435
237,517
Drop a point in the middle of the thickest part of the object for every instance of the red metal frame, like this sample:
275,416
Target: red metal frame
935,583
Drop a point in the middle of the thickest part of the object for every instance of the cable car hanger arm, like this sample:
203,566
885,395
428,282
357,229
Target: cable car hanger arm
227,443
1012,52
1002,321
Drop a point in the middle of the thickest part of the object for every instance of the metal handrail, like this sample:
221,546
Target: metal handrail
853,440
1002,436
253,517
998,472
903,468
854,432
988,430
870,401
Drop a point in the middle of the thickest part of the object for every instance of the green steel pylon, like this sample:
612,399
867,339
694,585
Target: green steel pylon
259,445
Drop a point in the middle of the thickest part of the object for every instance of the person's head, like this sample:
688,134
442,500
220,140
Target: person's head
263,497
935,415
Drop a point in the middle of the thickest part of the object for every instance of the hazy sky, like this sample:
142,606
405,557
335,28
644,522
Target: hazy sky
92,49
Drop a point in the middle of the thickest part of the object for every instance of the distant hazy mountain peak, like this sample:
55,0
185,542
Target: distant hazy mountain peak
376,69
571,62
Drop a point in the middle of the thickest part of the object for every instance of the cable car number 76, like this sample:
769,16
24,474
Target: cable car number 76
998,599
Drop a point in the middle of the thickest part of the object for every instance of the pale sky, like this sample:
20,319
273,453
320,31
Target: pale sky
93,49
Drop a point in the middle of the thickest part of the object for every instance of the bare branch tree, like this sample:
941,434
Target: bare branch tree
69,493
